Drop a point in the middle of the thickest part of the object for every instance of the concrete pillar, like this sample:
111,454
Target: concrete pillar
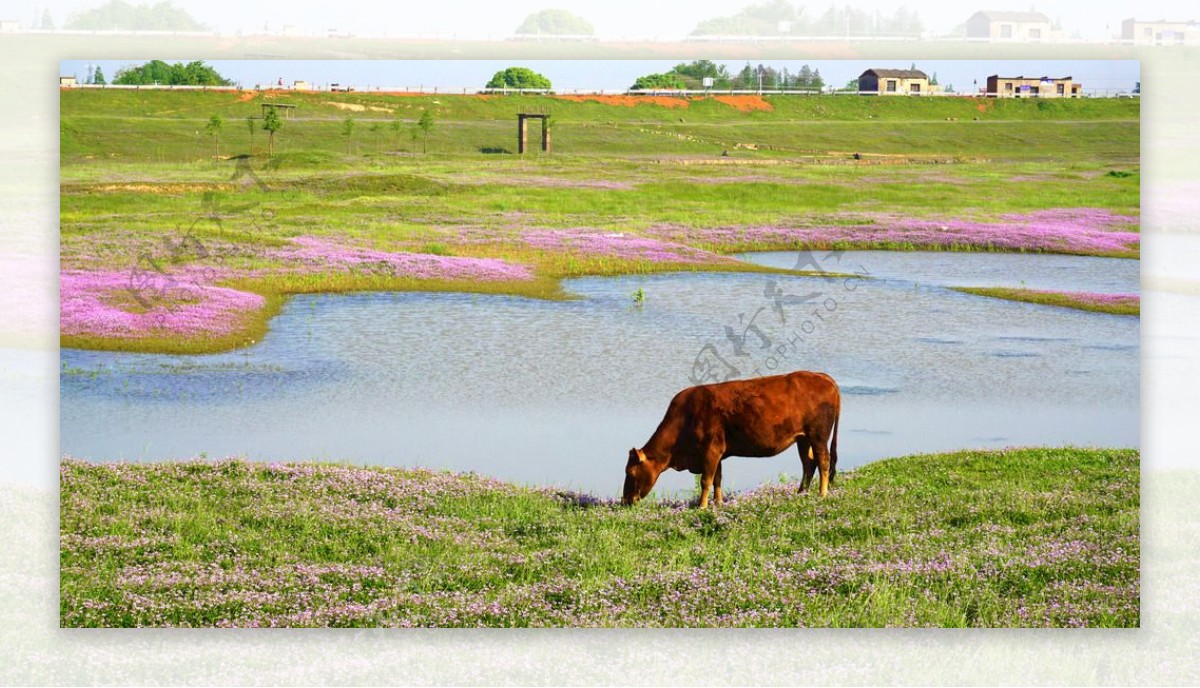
522,132
545,134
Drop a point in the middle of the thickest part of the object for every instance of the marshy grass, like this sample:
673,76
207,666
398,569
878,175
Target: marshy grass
1112,304
1020,537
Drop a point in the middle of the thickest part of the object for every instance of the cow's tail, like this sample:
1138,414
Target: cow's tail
837,417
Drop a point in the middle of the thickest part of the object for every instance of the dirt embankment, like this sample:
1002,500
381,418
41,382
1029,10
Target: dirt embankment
746,103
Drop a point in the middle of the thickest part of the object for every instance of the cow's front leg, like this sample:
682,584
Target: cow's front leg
711,468
706,483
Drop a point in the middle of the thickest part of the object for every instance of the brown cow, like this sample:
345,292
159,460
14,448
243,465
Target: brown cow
759,417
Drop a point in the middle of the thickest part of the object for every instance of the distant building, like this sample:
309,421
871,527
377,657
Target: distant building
67,81
893,82
1033,87
1024,27
9,26
1160,32
301,85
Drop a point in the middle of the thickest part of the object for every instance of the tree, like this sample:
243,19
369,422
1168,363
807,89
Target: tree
658,81
694,73
251,127
347,131
414,133
213,129
47,20
396,125
805,78
158,72
98,77
555,23
271,124
766,78
745,79
120,15
375,129
933,80
425,124
519,78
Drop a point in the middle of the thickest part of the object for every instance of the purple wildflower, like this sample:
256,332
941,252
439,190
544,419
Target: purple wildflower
114,304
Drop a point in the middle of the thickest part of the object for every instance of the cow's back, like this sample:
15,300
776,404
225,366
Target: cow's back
763,416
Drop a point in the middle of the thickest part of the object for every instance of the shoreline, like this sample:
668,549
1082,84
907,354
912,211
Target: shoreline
255,325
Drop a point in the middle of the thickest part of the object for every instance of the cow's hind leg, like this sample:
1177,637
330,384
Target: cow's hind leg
806,461
712,467
821,454
717,485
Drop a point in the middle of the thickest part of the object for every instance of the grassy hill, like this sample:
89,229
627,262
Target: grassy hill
1024,537
163,126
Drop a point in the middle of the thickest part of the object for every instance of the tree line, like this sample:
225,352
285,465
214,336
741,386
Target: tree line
194,73
692,76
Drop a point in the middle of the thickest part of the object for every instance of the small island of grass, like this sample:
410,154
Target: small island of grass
1113,304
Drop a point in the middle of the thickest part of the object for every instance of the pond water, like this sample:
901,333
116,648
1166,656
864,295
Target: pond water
557,392
947,268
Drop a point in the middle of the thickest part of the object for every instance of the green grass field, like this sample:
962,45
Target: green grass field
704,176
1024,537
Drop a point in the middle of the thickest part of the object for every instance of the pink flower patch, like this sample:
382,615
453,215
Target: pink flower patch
1095,299
126,304
1069,230
315,254
616,245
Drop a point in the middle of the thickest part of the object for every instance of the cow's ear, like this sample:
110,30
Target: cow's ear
635,455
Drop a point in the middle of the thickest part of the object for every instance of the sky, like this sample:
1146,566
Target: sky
664,19
568,75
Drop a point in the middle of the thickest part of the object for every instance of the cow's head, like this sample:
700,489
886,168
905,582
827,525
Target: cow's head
640,476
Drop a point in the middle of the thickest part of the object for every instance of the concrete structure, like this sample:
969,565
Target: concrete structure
9,26
67,81
1023,27
284,110
301,85
1032,87
523,130
1160,32
893,82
